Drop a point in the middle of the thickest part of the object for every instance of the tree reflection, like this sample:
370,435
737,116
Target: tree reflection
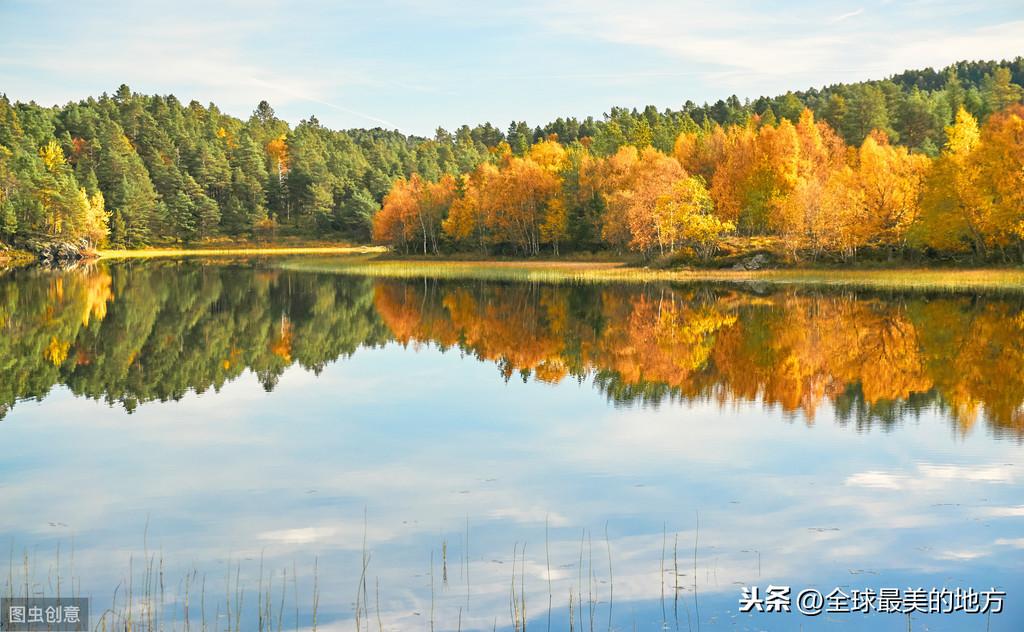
133,333
870,358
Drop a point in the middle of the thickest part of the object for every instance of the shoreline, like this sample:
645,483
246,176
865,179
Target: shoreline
908,278
377,261
153,253
15,258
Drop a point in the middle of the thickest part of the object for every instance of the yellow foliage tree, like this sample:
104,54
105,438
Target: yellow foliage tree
891,181
999,159
684,216
954,213
52,155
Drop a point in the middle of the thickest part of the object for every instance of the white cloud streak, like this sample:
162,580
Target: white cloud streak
847,15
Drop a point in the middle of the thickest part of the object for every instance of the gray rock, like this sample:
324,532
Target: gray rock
757,262
59,253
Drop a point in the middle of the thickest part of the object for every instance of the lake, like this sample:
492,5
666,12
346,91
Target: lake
236,446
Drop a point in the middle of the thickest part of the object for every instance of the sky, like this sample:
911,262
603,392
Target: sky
414,66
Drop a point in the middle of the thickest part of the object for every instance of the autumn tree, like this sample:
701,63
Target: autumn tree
616,180
999,160
526,190
701,151
890,180
413,212
685,216
656,177
954,214
807,215
467,221
395,223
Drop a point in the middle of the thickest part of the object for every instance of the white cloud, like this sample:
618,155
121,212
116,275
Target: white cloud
302,535
773,49
880,480
962,555
984,474
847,15
529,515
1004,512
233,55
1017,543
931,477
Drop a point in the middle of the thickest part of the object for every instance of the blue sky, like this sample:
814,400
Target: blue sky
414,66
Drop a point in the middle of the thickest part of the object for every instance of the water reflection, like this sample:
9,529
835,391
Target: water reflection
136,333
229,424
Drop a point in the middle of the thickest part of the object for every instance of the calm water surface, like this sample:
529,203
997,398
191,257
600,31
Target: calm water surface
644,451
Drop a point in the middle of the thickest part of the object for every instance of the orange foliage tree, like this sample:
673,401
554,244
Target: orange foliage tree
413,211
796,183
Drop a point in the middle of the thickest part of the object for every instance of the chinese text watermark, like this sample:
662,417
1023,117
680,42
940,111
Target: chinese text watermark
812,602
40,613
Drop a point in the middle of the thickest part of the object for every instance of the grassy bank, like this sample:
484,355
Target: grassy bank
251,250
1007,279
376,261
13,258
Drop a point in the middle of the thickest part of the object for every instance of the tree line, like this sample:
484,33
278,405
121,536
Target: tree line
129,169
798,184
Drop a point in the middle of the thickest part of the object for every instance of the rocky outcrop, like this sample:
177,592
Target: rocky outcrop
757,262
60,254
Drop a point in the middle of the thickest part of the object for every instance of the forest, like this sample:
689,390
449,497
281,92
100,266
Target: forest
928,162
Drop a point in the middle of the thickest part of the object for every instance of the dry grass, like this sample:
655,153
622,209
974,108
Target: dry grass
1007,279
366,260
150,253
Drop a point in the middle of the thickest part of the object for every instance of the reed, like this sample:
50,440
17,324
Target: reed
592,603
380,622
664,540
547,559
431,590
142,603
444,564
696,540
579,580
611,577
361,607
517,598
467,563
572,616
316,590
